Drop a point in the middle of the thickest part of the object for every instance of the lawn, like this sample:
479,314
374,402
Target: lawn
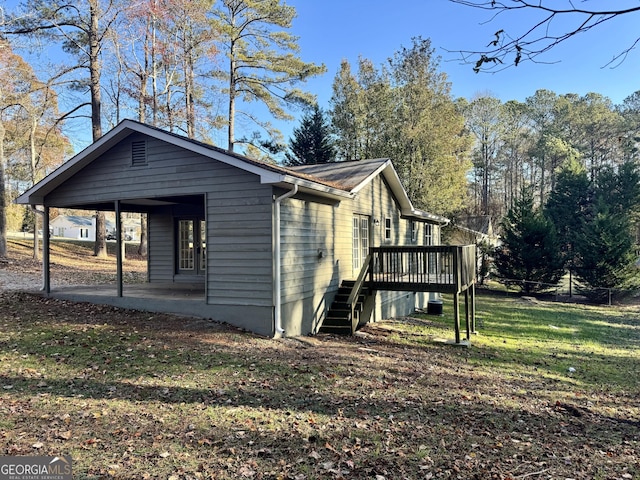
546,390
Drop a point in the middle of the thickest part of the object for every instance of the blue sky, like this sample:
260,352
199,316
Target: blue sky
332,30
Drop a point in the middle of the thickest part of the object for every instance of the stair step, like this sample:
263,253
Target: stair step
342,298
345,330
337,321
339,306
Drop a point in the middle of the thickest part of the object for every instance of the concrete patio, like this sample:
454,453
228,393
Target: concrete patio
177,298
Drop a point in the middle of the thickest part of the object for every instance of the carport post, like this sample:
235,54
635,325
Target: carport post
46,264
118,248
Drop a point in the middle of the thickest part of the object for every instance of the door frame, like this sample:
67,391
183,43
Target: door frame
361,250
193,244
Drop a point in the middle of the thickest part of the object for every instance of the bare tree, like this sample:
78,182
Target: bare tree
507,48
81,28
29,126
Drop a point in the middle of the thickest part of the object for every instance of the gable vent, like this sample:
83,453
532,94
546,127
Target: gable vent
138,153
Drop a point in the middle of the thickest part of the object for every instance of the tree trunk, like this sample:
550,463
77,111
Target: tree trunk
36,237
33,160
3,198
142,249
100,248
94,72
232,98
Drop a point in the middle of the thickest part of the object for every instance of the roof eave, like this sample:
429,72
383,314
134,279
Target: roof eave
406,206
309,187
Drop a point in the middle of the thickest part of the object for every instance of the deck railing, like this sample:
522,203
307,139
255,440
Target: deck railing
443,268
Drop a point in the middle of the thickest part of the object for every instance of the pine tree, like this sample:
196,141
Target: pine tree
605,247
530,251
263,63
567,207
606,253
311,142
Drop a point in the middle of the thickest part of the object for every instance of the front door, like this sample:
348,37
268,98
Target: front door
192,247
360,242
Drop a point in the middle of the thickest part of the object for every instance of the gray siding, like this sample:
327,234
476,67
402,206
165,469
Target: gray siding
311,268
240,245
161,248
310,281
170,170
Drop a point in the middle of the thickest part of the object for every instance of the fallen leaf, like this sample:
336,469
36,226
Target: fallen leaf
315,455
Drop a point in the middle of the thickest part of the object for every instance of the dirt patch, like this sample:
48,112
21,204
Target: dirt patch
70,264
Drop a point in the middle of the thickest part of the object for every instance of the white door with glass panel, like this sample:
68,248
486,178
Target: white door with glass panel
192,247
360,242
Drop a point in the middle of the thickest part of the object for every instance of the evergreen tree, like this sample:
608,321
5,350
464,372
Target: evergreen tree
530,249
263,63
606,252
404,111
567,207
311,142
605,247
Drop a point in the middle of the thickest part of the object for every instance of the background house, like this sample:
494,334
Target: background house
76,226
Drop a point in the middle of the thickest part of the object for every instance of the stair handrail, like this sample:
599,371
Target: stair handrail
355,292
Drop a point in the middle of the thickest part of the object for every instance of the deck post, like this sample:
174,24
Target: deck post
466,313
456,315
473,308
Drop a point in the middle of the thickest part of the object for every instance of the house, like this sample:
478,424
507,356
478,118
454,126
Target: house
477,230
472,229
76,226
269,246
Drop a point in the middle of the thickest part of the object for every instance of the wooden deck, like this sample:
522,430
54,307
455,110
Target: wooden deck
438,268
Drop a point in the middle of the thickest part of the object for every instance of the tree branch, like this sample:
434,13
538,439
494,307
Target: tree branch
507,50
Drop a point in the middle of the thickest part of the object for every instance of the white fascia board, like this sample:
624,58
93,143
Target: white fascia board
35,195
430,217
403,199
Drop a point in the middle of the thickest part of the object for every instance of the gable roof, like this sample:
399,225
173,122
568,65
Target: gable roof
341,180
355,175
80,221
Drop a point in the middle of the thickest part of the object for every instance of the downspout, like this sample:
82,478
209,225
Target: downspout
277,294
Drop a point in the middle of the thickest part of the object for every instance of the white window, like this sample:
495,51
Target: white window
428,234
387,228
414,231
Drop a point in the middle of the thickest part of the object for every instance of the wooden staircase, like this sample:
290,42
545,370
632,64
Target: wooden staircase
339,317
